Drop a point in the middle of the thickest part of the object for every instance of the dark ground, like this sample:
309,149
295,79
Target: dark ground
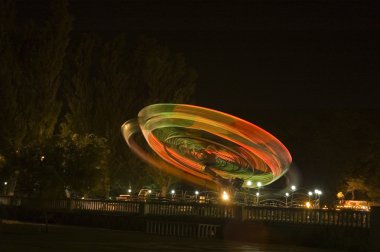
18,236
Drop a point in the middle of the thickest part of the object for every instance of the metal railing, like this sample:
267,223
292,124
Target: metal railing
308,216
346,218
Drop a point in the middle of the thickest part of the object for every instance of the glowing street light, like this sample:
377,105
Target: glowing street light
259,184
318,194
172,192
257,198
294,188
286,199
129,190
225,196
310,194
196,192
308,204
249,183
149,191
5,187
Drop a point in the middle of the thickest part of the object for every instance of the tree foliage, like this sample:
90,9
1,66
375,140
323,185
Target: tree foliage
30,77
110,81
105,83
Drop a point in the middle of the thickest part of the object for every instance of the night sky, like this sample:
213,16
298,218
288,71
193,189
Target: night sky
278,64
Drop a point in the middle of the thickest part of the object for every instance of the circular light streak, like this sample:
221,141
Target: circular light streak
206,147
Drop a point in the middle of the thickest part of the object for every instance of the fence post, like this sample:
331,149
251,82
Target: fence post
144,208
238,215
375,228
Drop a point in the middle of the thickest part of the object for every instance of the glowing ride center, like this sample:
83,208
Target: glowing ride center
205,147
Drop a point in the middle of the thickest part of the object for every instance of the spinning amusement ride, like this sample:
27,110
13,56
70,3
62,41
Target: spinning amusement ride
205,147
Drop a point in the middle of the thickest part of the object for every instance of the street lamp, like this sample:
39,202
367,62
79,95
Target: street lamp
317,193
129,190
259,184
294,188
249,183
5,187
310,194
286,199
197,193
257,197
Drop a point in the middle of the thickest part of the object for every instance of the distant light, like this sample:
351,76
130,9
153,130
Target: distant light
129,190
286,194
225,196
5,183
149,191
249,183
173,192
257,194
42,158
310,193
293,187
83,197
196,192
320,192
308,205
259,184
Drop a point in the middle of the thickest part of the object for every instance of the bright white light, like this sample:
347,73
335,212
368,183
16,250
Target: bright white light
319,192
249,183
42,158
129,190
310,193
257,194
172,192
287,194
149,191
293,187
259,184
196,192
316,191
5,183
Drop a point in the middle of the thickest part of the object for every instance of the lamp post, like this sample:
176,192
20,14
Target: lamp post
286,199
318,194
294,188
246,195
249,183
310,194
5,187
257,198
259,184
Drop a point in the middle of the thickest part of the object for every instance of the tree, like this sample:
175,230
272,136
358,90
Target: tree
83,167
110,82
32,61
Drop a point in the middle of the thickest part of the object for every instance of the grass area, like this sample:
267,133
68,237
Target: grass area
29,237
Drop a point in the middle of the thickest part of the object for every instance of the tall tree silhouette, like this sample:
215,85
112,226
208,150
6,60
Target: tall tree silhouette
32,61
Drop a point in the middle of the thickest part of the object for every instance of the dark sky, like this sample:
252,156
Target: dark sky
259,54
282,65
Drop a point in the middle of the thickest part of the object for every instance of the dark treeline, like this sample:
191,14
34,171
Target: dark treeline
64,99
